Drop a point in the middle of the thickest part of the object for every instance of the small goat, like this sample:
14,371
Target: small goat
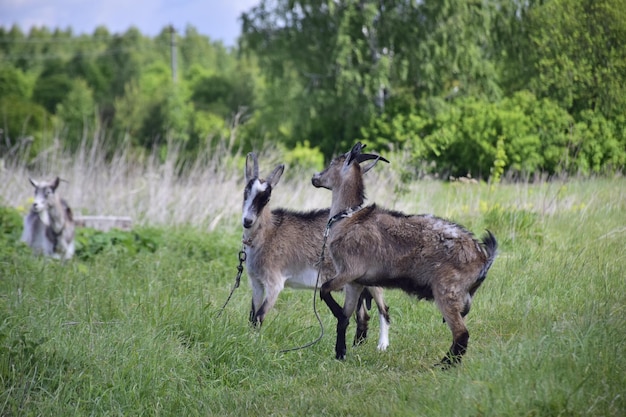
49,226
283,248
423,255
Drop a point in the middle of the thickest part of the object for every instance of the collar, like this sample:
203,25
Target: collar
342,215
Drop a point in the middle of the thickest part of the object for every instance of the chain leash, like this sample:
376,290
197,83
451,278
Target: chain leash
242,259
342,215
317,282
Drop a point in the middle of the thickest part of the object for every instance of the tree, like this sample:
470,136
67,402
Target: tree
339,62
50,90
323,59
120,64
577,55
13,82
76,111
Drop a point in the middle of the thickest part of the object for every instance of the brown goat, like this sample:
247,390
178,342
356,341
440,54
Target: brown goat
423,255
283,249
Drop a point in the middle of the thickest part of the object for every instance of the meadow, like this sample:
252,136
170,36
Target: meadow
135,330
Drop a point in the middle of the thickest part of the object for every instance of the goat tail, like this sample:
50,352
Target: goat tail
491,248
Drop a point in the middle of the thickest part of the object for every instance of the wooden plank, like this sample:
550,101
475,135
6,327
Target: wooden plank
104,223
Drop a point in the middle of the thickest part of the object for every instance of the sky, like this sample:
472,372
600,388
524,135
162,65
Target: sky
217,19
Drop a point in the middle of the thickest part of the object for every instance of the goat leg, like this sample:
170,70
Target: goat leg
456,352
342,320
362,322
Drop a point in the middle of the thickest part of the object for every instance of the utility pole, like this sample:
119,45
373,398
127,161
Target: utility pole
173,52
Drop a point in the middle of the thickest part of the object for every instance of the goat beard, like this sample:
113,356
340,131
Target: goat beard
44,216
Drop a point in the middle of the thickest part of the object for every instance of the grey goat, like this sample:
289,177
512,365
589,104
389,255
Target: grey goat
49,226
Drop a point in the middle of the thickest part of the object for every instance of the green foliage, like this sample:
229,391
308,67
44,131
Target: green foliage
577,53
11,225
451,56
13,82
500,162
23,133
222,95
77,112
206,130
324,62
91,242
499,88
303,158
598,145
50,90
519,136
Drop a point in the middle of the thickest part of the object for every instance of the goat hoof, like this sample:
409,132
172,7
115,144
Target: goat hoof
360,338
340,357
442,366
448,362
358,341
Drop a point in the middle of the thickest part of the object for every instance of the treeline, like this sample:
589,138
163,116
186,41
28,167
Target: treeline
120,89
480,87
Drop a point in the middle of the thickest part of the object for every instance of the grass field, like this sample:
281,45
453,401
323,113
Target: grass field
139,334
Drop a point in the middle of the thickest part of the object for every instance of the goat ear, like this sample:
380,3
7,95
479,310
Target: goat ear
55,183
354,154
32,181
275,175
252,166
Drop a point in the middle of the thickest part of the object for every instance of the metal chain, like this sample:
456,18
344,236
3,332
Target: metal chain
317,281
342,215
242,259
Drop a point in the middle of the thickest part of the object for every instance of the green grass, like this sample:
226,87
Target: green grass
138,334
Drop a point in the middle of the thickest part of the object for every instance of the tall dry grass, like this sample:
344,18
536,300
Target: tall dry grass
154,189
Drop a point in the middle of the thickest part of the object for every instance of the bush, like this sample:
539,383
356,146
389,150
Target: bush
597,145
23,127
519,135
10,231
303,158
91,242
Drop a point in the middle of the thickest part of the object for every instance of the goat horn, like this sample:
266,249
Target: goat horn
252,171
367,156
371,165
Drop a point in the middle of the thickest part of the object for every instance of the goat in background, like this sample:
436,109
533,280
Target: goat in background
49,226
423,255
283,249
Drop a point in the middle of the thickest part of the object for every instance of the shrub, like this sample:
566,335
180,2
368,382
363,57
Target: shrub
304,158
520,135
10,231
91,242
